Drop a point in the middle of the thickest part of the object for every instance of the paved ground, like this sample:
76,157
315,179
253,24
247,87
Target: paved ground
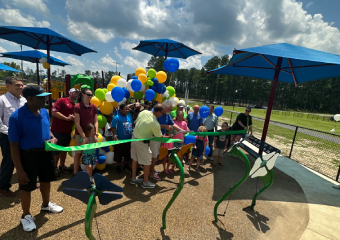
282,212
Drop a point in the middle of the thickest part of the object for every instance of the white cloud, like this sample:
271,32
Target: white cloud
13,17
2,50
86,31
107,60
192,62
128,46
37,5
117,54
98,67
309,4
134,63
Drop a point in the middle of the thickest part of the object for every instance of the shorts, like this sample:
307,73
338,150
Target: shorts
89,159
37,165
179,144
218,152
77,143
197,153
63,140
141,152
122,150
155,146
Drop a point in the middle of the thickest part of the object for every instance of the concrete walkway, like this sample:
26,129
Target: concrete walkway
323,199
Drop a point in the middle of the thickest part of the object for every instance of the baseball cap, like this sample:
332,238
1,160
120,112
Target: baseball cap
180,104
34,90
73,90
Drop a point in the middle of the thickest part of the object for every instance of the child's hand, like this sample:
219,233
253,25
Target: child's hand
195,147
214,145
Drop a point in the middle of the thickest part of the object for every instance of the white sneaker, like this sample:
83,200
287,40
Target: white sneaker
148,185
136,180
52,207
28,223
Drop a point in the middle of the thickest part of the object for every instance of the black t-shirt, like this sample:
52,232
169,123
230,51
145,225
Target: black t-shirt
243,118
221,140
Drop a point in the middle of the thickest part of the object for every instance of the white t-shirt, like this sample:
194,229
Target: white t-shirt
108,132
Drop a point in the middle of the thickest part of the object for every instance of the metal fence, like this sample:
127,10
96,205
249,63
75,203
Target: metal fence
314,149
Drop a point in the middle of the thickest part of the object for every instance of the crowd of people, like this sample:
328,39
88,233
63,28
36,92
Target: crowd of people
25,126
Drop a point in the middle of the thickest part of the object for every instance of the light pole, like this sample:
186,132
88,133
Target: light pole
116,66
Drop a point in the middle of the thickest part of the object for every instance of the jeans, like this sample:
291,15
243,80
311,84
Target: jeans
7,165
211,143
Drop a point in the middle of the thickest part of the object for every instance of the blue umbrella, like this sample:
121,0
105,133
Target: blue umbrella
166,48
281,62
7,68
32,56
43,38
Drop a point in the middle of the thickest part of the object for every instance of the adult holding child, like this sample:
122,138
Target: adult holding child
9,102
84,113
62,123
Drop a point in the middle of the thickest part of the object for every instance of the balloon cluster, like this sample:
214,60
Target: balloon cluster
46,62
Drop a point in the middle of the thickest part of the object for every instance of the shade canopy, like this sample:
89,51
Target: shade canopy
299,64
40,38
32,56
7,68
166,48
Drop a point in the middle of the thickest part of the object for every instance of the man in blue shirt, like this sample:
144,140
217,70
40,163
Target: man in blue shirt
29,129
194,119
121,128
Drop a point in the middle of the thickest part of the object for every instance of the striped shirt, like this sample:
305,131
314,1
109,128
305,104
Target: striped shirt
8,104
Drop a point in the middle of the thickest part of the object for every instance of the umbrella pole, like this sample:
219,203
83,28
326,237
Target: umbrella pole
271,100
38,77
103,78
166,51
49,76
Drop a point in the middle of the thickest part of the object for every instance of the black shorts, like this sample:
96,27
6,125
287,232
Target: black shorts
122,150
63,140
37,164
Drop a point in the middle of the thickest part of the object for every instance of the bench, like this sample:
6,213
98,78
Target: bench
265,147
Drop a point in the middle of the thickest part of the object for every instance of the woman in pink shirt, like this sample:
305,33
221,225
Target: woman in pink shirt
179,121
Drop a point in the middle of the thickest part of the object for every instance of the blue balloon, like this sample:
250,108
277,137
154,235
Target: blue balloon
134,77
189,139
106,149
101,159
99,112
218,111
118,94
97,152
204,111
154,88
166,64
136,85
161,88
207,150
173,64
155,81
127,93
149,94
50,60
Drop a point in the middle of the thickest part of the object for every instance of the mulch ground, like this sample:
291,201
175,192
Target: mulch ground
281,211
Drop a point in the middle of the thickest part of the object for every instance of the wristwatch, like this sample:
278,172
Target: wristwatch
96,135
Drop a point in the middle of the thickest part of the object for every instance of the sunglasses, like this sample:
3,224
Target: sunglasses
224,126
248,111
88,94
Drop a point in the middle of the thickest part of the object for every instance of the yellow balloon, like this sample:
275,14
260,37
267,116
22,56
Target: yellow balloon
114,104
106,108
96,101
72,142
159,97
111,148
139,71
143,78
161,76
131,94
100,137
46,65
114,79
101,166
110,86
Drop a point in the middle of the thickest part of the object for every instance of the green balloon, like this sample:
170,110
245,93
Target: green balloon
105,90
101,121
163,99
146,84
171,91
70,153
99,93
149,78
174,108
150,83
152,73
155,96
74,127
138,95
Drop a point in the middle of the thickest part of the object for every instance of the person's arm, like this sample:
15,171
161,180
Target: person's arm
201,121
177,128
156,130
80,130
96,126
216,124
3,127
167,127
53,139
205,147
241,124
215,138
114,132
251,129
62,117
226,143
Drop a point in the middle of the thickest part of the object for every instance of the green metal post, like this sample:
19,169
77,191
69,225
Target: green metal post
91,211
176,160
237,153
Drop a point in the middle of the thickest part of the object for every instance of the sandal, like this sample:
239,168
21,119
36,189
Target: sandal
171,171
166,171
214,164
221,164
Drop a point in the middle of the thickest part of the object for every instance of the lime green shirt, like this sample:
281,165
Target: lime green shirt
147,126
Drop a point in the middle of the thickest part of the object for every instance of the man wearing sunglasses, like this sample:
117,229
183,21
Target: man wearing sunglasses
243,122
29,129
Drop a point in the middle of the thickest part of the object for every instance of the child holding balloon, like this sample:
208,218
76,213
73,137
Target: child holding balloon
89,157
199,148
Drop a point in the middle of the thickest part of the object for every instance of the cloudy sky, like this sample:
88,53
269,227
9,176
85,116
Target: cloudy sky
213,27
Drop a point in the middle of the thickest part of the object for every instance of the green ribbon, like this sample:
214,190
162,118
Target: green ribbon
54,147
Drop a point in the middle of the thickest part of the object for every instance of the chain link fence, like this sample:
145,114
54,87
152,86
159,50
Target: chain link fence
314,149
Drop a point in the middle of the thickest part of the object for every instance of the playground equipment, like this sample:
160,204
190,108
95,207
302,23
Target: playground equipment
82,181
262,167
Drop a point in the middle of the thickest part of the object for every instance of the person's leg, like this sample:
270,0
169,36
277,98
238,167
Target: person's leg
134,169
191,160
164,162
214,162
89,170
198,163
62,158
25,198
118,157
76,163
154,146
7,166
146,170
45,189
56,159
152,167
211,143
232,138
238,138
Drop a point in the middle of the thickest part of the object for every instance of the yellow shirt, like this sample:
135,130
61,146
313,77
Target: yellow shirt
147,126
